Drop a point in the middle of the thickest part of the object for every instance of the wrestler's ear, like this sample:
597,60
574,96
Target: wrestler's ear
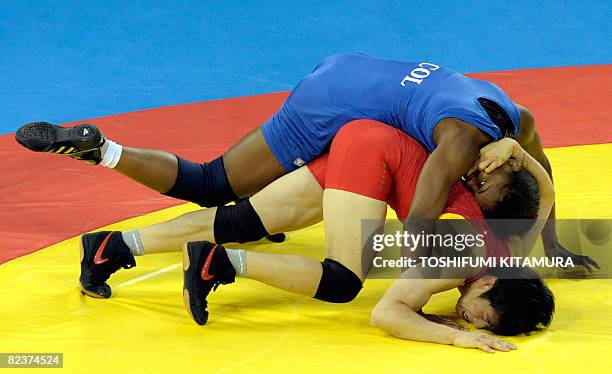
485,283
513,164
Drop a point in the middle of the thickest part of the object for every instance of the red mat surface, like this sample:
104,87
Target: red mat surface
46,199
571,105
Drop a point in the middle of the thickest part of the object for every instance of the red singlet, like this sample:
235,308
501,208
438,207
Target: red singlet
372,159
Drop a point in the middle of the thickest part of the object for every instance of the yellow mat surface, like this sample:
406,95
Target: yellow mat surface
144,328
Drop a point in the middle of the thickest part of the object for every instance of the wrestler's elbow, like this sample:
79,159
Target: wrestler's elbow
385,314
380,315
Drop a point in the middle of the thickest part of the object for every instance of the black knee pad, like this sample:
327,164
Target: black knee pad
238,223
338,283
204,184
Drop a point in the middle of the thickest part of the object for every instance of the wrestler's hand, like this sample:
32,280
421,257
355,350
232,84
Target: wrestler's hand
495,154
482,341
557,250
450,321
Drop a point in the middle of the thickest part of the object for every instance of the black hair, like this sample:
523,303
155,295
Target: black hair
521,299
500,118
520,204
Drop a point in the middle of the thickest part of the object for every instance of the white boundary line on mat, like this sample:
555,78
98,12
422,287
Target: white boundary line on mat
152,274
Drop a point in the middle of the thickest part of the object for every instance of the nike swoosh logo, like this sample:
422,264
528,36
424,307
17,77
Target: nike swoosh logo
205,276
98,260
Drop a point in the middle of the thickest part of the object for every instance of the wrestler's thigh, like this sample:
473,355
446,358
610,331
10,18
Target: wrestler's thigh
291,202
344,215
250,164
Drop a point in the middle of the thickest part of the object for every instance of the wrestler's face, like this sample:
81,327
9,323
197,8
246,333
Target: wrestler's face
489,188
475,309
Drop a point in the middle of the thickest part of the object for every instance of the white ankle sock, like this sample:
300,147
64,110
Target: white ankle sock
238,259
111,154
132,240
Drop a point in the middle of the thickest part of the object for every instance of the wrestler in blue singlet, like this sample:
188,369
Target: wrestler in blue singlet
410,96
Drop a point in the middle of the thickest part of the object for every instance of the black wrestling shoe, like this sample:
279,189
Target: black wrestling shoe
205,267
82,142
102,254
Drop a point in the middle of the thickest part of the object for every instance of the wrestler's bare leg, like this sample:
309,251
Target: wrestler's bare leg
247,167
343,214
292,202
249,164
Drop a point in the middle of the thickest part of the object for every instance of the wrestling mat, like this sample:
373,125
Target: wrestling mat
48,201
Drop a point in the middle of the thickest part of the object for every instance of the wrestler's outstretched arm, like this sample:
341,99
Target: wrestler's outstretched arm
398,314
529,139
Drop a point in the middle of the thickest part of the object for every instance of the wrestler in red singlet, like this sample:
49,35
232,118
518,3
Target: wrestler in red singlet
372,159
